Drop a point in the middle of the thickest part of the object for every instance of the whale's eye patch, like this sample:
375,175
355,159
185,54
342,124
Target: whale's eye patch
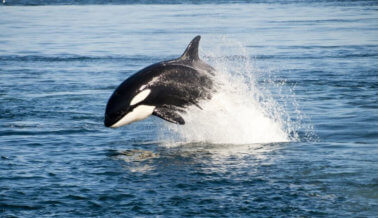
140,96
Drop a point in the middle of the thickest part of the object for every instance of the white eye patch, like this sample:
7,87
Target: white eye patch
140,96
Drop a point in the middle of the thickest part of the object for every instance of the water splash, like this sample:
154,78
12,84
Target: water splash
241,111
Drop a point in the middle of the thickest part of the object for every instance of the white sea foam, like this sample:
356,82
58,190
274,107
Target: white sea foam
240,112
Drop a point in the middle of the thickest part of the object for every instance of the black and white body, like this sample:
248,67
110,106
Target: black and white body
163,89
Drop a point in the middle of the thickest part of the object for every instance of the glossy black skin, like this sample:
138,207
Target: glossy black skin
174,84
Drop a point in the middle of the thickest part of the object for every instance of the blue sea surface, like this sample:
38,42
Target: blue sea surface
60,63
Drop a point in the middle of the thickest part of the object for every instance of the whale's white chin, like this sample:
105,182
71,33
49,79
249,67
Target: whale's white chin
139,113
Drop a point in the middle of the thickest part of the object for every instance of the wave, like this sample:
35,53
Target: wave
166,2
304,57
317,52
73,58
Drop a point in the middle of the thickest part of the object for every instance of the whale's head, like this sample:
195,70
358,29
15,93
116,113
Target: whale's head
126,106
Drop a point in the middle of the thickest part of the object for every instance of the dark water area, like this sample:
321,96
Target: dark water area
60,64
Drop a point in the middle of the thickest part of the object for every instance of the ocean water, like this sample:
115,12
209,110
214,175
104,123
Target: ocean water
291,132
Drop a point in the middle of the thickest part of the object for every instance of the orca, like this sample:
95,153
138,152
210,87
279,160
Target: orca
163,89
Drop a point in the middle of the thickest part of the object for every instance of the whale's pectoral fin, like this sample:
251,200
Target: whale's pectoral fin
169,115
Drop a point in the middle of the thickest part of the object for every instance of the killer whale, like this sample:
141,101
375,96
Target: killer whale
163,89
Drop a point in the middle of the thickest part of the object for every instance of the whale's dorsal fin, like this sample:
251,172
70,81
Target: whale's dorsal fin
191,52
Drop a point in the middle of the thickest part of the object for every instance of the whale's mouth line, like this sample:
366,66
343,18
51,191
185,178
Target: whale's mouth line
109,122
140,112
